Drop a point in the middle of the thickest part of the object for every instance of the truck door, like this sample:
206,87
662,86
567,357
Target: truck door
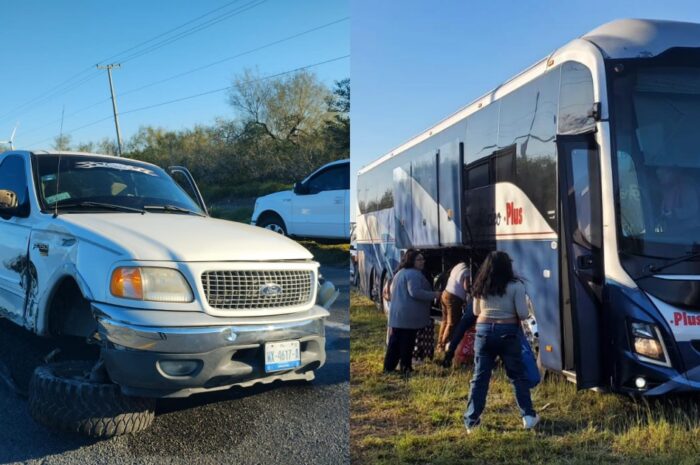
581,258
318,210
17,274
185,180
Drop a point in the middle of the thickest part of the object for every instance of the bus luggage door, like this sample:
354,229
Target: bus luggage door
581,258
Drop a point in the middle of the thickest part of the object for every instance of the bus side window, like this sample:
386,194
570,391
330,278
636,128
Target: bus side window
477,176
504,165
587,231
576,99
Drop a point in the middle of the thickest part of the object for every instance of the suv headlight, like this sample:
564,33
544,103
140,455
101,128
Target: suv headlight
148,283
648,344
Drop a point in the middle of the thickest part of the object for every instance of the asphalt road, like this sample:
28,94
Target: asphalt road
292,423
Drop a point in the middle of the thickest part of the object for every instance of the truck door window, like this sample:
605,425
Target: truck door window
13,178
333,179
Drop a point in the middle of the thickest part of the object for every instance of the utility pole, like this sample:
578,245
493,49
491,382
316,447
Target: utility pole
114,103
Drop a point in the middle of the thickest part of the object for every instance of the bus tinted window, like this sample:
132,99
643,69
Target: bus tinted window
375,189
478,176
482,131
576,99
527,130
504,165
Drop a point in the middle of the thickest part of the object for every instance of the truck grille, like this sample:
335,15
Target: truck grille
236,290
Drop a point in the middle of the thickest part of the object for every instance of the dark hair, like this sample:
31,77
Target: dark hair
494,275
408,260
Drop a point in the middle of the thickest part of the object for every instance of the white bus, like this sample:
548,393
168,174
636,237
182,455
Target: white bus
584,168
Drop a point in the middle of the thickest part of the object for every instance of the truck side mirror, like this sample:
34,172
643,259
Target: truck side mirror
300,189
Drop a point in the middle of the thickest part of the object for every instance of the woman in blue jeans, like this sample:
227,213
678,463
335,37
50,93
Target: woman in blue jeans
499,304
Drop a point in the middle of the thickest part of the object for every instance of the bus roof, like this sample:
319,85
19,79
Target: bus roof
619,39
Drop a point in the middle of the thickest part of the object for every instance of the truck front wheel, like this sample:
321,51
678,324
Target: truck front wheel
273,222
62,396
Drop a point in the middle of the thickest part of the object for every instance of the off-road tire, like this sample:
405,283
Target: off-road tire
60,398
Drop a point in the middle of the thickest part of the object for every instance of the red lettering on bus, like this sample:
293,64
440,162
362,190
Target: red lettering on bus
682,318
513,215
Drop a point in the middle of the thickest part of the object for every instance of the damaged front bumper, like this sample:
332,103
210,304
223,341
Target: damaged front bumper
230,353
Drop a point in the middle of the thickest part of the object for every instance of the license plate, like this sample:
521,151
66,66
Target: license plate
282,355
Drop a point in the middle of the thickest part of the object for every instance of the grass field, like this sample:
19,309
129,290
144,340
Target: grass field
330,254
419,420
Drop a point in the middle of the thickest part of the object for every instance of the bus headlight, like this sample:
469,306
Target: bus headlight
647,343
150,283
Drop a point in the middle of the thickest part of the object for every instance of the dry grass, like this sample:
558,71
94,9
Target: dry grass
419,420
329,253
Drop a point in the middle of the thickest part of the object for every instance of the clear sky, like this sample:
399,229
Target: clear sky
415,62
44,43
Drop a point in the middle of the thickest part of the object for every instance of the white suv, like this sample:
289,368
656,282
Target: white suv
113,252
318,207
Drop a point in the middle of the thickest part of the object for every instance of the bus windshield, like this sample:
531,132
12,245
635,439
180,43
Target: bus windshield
656,121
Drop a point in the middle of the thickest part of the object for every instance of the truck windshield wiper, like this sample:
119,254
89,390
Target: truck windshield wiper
108,206
171,208
672,261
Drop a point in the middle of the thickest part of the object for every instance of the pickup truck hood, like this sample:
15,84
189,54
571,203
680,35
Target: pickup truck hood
179,237
276,196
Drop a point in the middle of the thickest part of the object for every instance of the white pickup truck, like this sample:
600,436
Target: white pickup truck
113,252
318,206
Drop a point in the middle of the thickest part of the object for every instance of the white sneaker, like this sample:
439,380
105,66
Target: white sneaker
529,421
472,429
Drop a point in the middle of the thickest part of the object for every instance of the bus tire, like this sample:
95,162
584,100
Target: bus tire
381,304
62,397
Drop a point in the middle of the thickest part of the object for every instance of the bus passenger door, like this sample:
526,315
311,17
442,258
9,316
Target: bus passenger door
581,258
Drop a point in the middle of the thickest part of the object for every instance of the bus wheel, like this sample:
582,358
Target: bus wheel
383,304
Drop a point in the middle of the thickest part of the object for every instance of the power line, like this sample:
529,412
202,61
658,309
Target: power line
200,68
238,55
113,57
201,94
59,90
208,24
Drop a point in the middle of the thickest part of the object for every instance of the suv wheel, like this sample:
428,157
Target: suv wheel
64,396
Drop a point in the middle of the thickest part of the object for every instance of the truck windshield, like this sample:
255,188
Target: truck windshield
656,122
100,183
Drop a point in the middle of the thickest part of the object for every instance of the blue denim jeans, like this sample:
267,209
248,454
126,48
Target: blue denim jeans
496,340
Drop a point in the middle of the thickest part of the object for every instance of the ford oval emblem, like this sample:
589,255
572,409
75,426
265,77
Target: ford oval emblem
270,289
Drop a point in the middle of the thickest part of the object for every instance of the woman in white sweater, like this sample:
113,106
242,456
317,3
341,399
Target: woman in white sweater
499,304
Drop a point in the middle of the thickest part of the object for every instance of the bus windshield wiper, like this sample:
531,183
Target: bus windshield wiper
171,208
673,261
107,206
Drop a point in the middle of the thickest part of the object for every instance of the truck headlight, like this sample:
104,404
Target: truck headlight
647,343
148,283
